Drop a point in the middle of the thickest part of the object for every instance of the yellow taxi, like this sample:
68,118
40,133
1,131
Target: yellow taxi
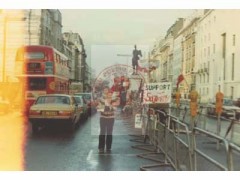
54,108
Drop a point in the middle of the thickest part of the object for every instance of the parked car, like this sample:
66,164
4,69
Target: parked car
83,107
54,108
236,102
5,106
228,109
91,102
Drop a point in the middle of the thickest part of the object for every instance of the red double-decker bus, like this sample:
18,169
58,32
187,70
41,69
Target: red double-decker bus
41,70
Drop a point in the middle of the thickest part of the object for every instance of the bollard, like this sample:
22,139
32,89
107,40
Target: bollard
218,128
193,96
219,104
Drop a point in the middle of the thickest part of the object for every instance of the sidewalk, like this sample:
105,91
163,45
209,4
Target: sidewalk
123,157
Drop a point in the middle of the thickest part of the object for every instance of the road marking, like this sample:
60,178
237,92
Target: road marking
89,155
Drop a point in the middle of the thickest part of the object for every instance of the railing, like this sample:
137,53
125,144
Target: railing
182,149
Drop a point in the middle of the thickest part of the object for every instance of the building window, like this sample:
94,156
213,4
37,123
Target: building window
234,40
233,59
214,19
209,37
208,50
205,53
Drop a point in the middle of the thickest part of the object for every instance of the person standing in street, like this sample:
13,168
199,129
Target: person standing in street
106,122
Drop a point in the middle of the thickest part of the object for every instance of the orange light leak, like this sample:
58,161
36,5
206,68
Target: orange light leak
12,122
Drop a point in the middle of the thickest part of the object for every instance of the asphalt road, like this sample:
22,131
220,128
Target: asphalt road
56,149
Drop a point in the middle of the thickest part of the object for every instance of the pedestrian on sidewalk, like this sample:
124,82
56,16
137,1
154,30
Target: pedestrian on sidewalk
106,121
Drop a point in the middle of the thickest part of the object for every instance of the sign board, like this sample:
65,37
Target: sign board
157,93
138,121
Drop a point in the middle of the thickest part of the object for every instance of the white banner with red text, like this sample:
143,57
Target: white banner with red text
157,93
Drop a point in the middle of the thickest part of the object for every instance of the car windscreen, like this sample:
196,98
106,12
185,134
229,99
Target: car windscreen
78,99
53,99
87,97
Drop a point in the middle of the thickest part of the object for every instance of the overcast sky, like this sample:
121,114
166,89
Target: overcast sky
111,31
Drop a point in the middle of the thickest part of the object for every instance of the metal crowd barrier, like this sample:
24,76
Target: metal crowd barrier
157,136
235,135
178,145
234,157
182,113
176,148
146,133
204,161
165,132
153,153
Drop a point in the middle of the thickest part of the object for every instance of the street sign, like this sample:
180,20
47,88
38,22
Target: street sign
157,93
